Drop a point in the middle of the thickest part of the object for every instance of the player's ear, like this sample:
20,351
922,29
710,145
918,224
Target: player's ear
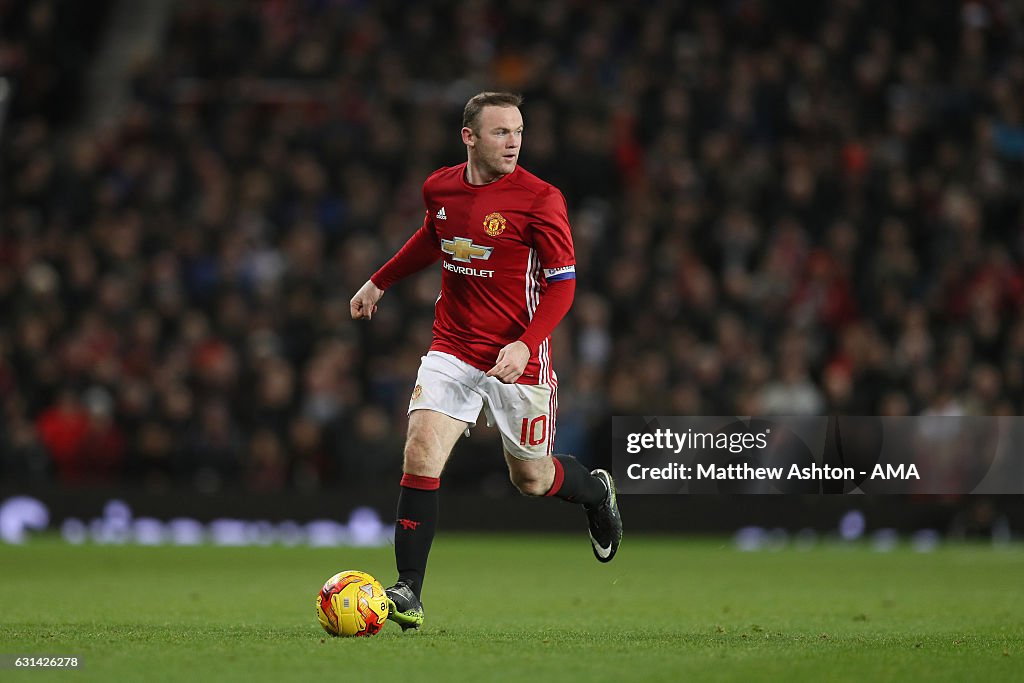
467,137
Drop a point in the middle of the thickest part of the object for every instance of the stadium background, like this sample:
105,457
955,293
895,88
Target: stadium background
779,208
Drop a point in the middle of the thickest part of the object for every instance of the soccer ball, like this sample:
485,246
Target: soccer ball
352,603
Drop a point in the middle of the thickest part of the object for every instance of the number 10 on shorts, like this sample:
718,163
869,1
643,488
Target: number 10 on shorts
535,431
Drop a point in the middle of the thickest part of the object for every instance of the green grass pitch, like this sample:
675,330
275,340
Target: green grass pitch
515,608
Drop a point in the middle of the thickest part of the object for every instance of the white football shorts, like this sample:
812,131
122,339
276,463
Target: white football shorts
523,413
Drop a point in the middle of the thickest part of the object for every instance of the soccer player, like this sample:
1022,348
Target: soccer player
508,278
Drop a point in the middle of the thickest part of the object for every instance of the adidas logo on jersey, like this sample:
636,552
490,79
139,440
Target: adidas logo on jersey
440,215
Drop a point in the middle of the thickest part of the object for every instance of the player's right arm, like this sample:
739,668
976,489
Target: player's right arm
419,252
364,303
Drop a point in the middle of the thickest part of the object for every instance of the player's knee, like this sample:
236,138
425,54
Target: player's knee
419,457
529,484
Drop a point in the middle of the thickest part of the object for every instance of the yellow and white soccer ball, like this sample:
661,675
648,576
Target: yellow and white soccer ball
352,603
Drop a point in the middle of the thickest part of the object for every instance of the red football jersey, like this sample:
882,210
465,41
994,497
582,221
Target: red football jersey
500,245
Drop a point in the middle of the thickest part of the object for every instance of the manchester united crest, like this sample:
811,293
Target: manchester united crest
494,224
416,393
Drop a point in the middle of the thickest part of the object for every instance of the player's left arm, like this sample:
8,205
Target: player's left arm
553,242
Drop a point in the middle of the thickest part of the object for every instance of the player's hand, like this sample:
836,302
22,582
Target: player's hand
364,303
511,362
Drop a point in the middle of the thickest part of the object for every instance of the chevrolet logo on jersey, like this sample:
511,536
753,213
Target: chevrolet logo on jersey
463,250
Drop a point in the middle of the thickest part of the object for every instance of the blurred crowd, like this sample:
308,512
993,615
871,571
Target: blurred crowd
784,207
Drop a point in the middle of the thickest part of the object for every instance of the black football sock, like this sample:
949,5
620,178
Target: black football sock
575,484
415,528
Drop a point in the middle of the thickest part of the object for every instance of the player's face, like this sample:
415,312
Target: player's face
494,148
